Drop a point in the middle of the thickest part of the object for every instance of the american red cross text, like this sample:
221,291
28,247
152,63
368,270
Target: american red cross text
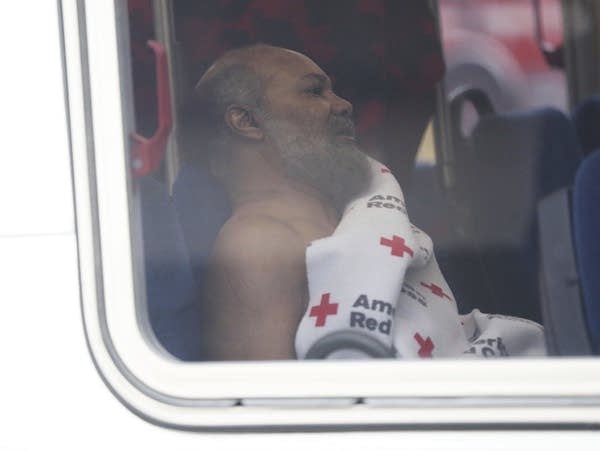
426,346
323,310
398,246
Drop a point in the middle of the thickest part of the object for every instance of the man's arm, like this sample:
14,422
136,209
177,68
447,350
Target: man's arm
256,291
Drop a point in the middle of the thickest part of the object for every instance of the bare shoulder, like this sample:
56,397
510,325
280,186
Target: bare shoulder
256,290
258,260
259,239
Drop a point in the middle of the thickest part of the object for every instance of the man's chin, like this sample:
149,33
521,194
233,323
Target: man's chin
340,175
335,166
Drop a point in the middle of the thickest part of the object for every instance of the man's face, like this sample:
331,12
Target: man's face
312,129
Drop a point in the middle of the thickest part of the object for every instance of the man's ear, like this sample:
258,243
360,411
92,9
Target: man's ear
241,122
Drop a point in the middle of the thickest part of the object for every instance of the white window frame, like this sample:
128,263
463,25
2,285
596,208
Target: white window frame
201,395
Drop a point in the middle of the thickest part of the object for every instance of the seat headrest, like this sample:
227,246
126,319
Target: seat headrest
586,222
514,160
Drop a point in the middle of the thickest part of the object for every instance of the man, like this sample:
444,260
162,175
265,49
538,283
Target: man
283,144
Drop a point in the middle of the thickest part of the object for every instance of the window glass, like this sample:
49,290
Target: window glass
277,224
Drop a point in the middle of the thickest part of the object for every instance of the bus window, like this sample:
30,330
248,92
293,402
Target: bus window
293,215
497,87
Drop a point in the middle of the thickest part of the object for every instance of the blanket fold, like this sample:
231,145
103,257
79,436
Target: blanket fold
375,290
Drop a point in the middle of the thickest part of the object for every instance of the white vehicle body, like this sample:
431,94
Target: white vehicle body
53,395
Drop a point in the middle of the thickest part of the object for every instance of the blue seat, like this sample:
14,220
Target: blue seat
586,117
513,161
171,291
202,208
561,298
569,225
586,220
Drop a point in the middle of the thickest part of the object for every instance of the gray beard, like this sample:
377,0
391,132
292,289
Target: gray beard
338,171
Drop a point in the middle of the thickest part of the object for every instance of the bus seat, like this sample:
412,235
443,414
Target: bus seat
560,293
430,209
513,161
426,203
586,117
586,205
170,289
202,208
570,261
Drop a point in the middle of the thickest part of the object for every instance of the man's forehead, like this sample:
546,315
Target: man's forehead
287,65
316,77
274,65
266,60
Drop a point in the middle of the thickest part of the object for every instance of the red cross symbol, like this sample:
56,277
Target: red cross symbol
385,171
323,310
436,290
426,346
398,246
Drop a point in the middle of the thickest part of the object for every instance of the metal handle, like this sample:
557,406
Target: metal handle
149,152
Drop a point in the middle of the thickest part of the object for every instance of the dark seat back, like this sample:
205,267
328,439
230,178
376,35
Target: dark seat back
171,292
202,208
430,208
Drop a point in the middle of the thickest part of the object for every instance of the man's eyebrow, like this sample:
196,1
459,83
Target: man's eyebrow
318,77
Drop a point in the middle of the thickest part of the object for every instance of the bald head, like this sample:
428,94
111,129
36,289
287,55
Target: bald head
240,76
253,57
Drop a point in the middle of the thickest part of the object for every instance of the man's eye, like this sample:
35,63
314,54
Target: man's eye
316,90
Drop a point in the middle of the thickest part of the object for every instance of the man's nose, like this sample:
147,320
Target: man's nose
341,106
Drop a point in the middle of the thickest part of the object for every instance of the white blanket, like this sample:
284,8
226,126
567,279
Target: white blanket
375,290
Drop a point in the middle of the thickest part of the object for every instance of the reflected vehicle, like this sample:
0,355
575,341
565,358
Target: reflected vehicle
493,47
490,134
